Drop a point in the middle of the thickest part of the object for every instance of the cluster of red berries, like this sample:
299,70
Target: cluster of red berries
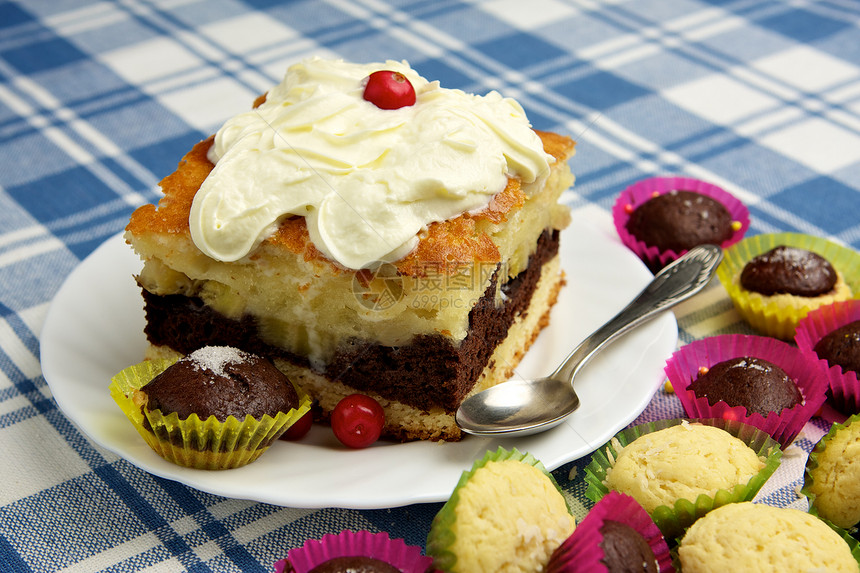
356,421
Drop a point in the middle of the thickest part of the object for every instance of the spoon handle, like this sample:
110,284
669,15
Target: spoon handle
675,283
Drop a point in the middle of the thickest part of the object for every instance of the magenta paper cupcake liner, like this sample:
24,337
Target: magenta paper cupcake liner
642,191
407,558
683,367
844,386
581,551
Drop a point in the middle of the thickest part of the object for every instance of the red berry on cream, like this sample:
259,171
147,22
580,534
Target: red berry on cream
389,90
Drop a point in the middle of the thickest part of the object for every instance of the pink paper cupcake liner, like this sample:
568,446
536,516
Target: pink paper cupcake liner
844,386
683,367
581,551
407,558
644,190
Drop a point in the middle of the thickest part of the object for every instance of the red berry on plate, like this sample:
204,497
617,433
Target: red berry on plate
357,420
300,428
389,90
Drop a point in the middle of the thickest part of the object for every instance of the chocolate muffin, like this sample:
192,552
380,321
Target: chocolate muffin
358,564
841,347
680,220
789,270
355,551
221,381
241,406
754,383
625,550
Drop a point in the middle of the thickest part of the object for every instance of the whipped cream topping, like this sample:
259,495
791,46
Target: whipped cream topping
367,180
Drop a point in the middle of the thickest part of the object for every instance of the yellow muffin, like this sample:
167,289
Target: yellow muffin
682,462
757,538
507,515
833,475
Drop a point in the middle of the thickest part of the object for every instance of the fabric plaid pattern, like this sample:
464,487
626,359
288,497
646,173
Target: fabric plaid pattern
99,100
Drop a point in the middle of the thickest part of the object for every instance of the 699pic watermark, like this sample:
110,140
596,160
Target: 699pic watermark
383,287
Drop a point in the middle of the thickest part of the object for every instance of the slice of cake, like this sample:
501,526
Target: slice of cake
408,253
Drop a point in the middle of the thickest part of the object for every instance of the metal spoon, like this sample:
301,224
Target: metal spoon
522,407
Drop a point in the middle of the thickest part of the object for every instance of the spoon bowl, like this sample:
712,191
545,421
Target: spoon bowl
523,407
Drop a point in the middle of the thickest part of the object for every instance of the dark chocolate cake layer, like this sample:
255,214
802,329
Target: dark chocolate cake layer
427,372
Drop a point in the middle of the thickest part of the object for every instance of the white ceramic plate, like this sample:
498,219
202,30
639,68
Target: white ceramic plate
94,329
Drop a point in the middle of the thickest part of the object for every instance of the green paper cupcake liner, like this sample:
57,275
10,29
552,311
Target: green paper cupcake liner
441,536
849,538
672,521
852,542
812,464
201,444
767,314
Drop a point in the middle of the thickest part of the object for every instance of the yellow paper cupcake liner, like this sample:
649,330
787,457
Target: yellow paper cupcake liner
202,444
778,315
441,537
672,521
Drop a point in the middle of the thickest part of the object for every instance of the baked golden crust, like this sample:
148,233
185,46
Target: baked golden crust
557,145
447,246
179,188
459,241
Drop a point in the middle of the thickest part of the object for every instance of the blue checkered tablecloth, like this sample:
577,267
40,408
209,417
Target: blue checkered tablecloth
99,100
